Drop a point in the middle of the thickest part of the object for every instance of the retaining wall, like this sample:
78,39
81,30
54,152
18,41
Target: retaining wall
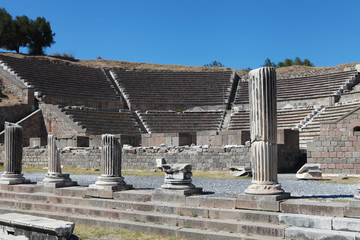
201,157
337,148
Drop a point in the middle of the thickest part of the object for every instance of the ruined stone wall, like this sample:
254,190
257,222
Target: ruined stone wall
201,157
13,113
144,158
88,102
57,123
337,148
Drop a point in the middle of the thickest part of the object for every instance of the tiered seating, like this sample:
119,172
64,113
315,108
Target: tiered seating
290,118
174,88
240,120
302,87
242,93
165,121
286,119
61,80
329,114
101,122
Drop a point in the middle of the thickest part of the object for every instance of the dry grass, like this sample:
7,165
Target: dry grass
339,180
125,65
90,233
7,99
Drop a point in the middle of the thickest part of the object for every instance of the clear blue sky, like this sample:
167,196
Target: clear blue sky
239,34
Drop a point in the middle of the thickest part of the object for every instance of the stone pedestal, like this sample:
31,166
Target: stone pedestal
177,184
263,132
110,178
13,155
55,177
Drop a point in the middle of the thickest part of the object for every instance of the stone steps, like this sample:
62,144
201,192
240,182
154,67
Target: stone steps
187,232
106,211
199,217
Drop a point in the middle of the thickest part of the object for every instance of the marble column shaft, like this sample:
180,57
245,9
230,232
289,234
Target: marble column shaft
263,131
111,156
13,148
54,156
13,155
110,178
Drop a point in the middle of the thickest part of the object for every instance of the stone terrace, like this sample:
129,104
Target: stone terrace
101,122
169,121
328,114
198,217
64,84
175,90
302,88
286,118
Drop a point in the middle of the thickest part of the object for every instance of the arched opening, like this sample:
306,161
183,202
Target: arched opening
356,131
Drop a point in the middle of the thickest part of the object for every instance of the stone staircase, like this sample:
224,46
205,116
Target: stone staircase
199,217
328,114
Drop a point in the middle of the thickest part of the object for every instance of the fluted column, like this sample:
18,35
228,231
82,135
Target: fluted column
54,176
13,155
263,131
111,156
54,156
110,178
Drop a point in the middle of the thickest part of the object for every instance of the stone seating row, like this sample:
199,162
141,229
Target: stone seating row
285,118
61,79
194,88
100,122
302,87
181,122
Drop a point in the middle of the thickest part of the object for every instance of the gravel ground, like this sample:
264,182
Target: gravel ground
230,187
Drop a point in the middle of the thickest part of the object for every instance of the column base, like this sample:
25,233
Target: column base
357,196
264,189
110,183
58,180
176,196
12,178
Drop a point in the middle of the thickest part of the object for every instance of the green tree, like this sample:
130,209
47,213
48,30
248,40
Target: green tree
214,64
307,62
6,30
41,36
21,32
268,63
288,62
297,61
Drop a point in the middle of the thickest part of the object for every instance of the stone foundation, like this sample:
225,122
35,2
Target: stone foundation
337,148
201,157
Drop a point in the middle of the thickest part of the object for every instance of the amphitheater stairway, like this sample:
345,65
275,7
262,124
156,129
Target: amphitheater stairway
199,217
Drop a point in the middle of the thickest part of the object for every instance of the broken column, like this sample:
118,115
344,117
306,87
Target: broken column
263,130
54,176
13,155
110,178
177,184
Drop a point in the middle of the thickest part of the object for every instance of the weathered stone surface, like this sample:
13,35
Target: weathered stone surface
307,221
177,176
263,132
177,184
318,234
13,155
310,171
35,225
346,224
238,171
309,207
